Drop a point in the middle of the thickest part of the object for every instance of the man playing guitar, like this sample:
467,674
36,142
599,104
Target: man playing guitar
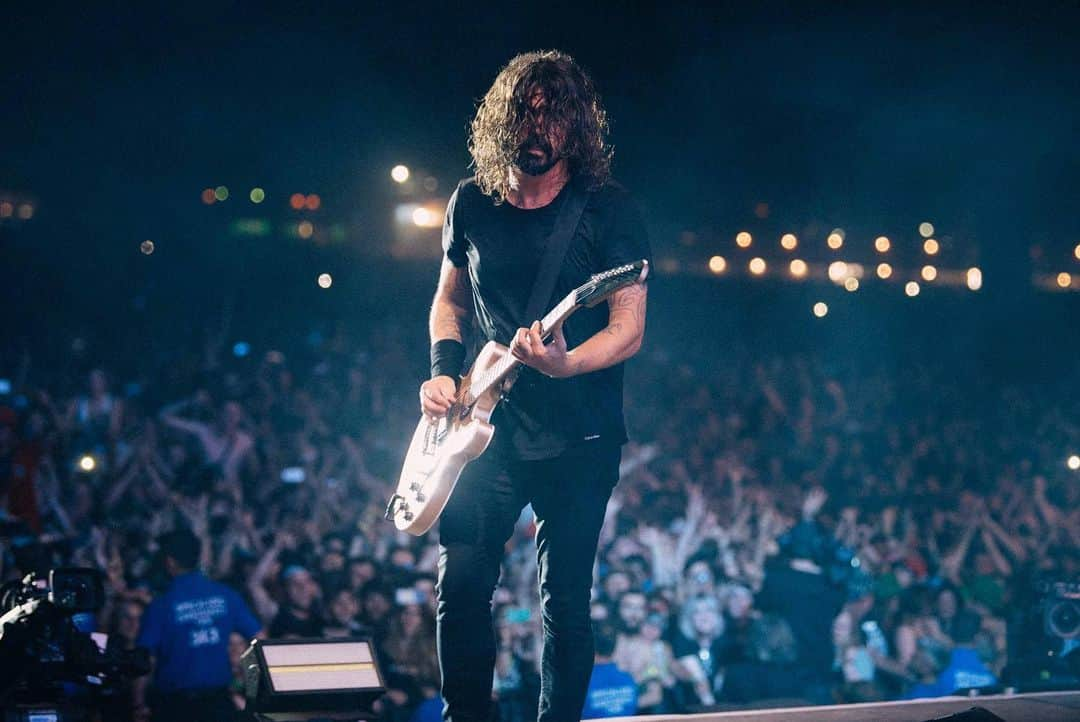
538,137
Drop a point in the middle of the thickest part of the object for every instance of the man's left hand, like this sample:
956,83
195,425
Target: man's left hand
551,359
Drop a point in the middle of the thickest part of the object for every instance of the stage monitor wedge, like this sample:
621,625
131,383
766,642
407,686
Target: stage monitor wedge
301,679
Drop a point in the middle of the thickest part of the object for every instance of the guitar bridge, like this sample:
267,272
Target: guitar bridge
392,507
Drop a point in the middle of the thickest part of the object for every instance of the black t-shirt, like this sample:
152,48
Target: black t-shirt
809,603
502,247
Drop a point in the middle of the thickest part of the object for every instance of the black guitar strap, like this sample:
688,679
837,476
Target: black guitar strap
565,226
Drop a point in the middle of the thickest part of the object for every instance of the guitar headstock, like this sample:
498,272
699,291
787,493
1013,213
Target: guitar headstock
602,285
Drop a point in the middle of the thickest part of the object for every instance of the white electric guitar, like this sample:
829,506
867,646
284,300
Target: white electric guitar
441,448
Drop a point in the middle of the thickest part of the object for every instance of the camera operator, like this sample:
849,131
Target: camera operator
187,631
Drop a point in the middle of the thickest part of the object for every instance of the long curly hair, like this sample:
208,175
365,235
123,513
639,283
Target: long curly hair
504,117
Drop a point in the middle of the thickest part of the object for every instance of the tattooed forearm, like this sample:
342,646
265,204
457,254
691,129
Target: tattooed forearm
620,339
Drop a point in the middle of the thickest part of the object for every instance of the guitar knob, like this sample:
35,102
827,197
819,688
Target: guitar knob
415,486
420,498
407,516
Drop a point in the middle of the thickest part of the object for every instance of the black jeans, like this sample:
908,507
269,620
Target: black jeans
569,495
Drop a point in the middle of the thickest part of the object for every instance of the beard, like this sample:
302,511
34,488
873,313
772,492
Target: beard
535,164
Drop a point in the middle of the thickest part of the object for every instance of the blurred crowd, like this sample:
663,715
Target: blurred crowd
786,527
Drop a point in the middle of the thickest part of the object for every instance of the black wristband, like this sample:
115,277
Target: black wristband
447,358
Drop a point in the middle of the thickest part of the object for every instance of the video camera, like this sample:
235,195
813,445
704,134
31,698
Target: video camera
44,650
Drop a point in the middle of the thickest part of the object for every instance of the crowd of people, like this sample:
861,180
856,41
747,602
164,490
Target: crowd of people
785,527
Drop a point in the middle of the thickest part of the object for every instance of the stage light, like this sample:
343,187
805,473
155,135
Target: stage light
1076,251
911,289
974,279
325,280
929,273
208,196
425,218
926,229
241,349
1073,462
297,201
400,173
257,195
304,229
884,270
882,244
1064,280
931,247
835,241
757,266
87,463
717,264
798,268
6,209
789,241
743,239
820,309
851,283
25,211
837,271
313,202
221,193
147,247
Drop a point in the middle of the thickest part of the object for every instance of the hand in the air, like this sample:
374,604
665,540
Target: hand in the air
528,347
436,396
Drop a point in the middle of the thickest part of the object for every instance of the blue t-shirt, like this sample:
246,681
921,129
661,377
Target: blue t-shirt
965,670
187,629
612,693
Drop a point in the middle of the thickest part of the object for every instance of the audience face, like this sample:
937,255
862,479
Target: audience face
360,573
616,583
706,622
632,611
740,603
344,607
300,589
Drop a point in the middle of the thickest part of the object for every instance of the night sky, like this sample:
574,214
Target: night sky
870,117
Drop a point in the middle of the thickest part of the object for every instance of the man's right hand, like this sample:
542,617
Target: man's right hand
436,395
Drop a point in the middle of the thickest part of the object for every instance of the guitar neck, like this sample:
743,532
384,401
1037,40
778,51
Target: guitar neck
497,373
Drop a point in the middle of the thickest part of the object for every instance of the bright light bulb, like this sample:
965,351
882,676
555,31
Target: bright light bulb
931,247
835,240
400,173
884,270
798,268
743,239
851,283
789,241
926,229
929,273
837,271
87,463
325,280
1073,462
974,279
717,264
757,266
882,244
912,289
820,309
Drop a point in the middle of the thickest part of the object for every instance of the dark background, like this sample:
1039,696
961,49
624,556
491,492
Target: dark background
867,117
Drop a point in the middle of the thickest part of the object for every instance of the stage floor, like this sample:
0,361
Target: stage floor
1033,707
